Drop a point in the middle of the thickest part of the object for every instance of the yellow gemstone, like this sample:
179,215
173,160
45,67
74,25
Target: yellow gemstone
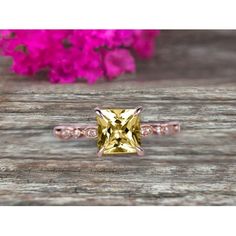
118,131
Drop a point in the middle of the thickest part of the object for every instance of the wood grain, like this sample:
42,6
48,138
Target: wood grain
191,80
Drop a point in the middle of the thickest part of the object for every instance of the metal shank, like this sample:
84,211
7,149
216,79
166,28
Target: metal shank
77,131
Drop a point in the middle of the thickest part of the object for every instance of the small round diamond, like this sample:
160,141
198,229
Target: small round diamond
158,130
166,129
76,133
66,133
91,132
146,130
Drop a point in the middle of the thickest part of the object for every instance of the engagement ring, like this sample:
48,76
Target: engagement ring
118,131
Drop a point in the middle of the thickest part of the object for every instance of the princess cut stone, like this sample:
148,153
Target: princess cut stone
118,131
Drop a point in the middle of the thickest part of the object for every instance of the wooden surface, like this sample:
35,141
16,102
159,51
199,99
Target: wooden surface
191,79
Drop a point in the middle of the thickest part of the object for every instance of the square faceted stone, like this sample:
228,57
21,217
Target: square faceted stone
118,131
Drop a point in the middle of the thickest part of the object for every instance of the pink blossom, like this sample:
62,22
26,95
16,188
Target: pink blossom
70,54
118,62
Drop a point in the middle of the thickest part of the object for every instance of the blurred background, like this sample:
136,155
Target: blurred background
182,57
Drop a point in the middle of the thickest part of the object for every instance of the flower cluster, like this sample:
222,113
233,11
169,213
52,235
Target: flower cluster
70,54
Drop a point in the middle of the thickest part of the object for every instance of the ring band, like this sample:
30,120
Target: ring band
78,131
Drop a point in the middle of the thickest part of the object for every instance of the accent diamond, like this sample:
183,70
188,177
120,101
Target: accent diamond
90,132
66,133
76,133
146,130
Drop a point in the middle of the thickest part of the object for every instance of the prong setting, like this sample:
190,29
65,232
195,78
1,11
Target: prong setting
140,151
138,110
100,152
98,112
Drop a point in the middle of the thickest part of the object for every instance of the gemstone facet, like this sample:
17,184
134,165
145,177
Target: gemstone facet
118,131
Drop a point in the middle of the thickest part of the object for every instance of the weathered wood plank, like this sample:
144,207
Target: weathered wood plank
196,167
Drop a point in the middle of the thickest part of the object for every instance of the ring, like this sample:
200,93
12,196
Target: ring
118,131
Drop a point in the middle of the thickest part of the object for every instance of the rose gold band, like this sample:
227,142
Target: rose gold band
160,128
77,131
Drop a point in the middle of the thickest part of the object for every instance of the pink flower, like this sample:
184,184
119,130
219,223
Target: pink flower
118,62
70,54
144,43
